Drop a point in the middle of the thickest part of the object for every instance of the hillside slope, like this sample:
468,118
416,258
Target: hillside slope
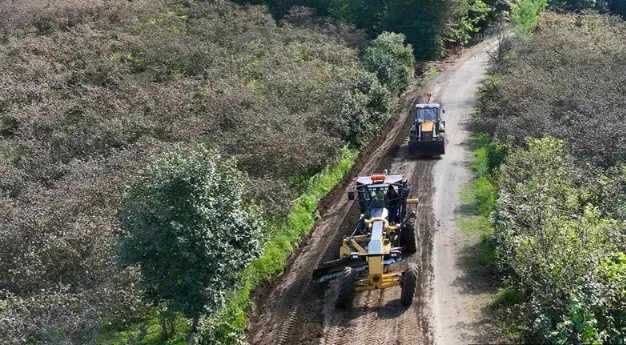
90,90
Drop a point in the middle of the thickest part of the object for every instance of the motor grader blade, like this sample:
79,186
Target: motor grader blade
332,269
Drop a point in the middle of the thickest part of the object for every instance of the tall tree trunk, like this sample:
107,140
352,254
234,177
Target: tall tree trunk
163,322
194,330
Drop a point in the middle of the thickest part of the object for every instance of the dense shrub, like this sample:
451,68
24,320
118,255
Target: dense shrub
189,230
559,217
423,22
614,6
358,106
577,5
565,82
525,15
90,90
475,18
496,155
391,60
554,245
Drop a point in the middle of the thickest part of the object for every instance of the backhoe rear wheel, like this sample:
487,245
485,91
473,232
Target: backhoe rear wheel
409,239
345,289
409,284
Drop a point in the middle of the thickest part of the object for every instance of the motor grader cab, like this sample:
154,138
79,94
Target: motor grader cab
427,136
382,235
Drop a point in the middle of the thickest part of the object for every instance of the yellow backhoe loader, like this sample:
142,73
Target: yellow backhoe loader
427,136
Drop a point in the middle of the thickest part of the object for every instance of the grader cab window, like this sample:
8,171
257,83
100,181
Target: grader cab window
365,199
371,198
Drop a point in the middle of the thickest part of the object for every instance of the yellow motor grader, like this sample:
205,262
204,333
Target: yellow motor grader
384,232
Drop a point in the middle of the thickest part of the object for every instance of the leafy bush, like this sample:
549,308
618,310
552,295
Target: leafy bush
358,106
496,155
564,82
189,230
525,15
551,245
228,327
559,217
391,60
473,21
363,13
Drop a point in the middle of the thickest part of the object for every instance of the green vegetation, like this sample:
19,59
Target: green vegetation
391,60
556,197
428,25
359,105
544,88
189,231
228,327
149,333
553,242
525,15
93,90
506,297
613,6
480,197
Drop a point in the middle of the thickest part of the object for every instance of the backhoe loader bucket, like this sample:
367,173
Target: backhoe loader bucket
427,148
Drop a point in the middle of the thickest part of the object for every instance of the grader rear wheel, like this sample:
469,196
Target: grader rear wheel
409,285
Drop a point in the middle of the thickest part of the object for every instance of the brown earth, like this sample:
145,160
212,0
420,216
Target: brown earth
445,311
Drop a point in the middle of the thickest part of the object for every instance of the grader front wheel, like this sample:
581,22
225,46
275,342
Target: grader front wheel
409,239
345,290
409,285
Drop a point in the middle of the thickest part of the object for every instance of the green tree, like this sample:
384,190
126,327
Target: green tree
618,7
391,60
189,229
473,18
357,107
525,14
552,244
423,23
364,14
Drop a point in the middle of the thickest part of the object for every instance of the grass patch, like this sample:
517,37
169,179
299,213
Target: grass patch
428,75
479,200
147,333
507,297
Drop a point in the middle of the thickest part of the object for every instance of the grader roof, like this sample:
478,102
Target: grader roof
389,179
427,105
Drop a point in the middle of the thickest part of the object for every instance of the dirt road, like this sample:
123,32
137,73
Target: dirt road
445,311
